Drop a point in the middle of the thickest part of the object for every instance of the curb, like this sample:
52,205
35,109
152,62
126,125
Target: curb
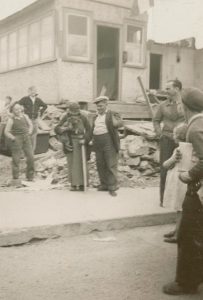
32,234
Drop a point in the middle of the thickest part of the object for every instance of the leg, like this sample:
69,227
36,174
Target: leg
27,148
111,160
189,271
16,150
101,167
167,147
34,134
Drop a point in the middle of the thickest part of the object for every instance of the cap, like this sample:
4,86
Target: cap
193,99
101,98
74,108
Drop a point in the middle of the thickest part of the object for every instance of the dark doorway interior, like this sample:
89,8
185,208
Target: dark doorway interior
107,61
155,71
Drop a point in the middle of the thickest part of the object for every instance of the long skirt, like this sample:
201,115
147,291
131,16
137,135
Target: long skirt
75,165
189,271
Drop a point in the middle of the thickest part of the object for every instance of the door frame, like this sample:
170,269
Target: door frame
161,67
120,41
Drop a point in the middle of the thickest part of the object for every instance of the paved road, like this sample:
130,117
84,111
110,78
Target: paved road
125,265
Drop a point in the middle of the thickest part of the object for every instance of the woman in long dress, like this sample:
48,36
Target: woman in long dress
75,132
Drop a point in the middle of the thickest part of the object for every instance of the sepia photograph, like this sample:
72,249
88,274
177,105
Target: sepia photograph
101,149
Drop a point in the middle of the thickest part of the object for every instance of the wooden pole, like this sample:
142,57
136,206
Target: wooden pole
145,96
84,166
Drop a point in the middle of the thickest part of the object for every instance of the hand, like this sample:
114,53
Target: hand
185,177
13,139
82,142
178,155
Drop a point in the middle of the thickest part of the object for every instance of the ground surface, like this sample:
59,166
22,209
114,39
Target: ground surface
126,265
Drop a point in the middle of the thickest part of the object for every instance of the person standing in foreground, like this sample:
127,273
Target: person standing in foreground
34,107
18,130
106,144
189,271
75,133
170,114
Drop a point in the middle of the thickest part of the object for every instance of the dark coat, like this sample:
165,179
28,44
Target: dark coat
33,110
112,129
195,137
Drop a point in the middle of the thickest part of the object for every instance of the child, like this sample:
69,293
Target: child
175,190
18,130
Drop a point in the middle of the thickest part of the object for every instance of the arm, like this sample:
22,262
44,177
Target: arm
88,129
157,121
169,163
43,107
29,124
196,139
59,129
117,120
8,128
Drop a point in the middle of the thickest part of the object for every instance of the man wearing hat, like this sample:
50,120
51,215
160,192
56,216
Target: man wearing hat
170,114
189,272
106,143
34,107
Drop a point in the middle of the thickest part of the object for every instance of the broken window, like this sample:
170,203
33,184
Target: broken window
77,37
135,45
30,44
47,38
34,42
22,46
3,53
12,54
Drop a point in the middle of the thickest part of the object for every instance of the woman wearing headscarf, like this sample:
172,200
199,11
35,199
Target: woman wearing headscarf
75,132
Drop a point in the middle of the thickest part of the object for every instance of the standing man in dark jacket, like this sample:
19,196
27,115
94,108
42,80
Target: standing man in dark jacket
189,272
34,107
106,143
170,114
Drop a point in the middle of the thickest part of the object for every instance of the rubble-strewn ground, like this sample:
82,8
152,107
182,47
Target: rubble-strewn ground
138,159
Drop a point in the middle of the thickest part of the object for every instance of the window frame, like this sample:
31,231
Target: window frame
27,26
142,26
80,13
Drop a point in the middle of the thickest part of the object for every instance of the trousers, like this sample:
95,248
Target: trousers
189,271
21,144
106,161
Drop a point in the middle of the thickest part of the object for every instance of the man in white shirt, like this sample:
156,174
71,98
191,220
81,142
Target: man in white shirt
106,144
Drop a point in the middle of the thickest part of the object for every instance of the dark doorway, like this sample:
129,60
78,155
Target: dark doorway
107,61
155,71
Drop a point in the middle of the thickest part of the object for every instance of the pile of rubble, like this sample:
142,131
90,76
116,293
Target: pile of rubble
139,155
138,158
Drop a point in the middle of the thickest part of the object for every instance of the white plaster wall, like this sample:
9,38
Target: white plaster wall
44,77
76,81
171,69
199,69
130,87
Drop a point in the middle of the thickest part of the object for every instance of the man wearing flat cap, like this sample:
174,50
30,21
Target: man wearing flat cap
189,272
106,143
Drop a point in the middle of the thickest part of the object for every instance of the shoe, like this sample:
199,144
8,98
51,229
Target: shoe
173,288
102,188
172,240
170,234
81,188
113,193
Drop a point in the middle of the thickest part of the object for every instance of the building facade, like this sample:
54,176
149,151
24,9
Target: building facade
74,49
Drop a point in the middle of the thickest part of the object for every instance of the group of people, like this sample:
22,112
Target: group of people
76,132
19,121
182,119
